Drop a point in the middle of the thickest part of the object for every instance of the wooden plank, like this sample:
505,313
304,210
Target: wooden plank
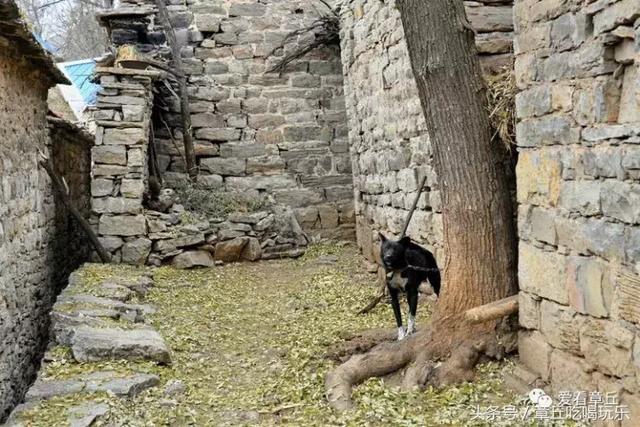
493,310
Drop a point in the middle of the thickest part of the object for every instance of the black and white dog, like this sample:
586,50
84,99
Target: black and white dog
407,265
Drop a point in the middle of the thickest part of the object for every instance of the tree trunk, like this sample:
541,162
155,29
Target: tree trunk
480,244
479,233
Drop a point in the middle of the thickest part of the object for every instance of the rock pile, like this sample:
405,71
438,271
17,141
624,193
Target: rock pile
136,235
241,236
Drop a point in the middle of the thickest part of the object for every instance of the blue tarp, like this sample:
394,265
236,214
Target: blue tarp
80,72
45,44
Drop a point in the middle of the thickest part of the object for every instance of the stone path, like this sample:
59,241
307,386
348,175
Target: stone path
100,320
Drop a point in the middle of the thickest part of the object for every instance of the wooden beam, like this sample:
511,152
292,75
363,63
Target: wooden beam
61,188
493,310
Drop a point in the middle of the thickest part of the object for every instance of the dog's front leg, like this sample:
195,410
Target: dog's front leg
395,303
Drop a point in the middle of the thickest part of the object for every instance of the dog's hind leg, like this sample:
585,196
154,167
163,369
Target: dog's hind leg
412,300
395,303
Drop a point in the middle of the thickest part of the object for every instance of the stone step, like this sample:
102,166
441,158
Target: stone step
82,415
86,414
90,344
106,381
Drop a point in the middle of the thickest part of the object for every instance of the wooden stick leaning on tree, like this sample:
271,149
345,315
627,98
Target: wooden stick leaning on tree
376,300
63,191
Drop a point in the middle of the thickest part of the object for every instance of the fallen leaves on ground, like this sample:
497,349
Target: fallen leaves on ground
248,342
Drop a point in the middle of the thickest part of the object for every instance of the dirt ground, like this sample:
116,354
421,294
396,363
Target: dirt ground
249,341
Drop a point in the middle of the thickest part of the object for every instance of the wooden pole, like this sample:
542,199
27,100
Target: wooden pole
493,310
62,191
185,110
413,207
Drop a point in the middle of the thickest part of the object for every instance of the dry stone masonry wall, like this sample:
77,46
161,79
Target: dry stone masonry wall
120,170
579,200
387,132
26,217
32,229
70,150
134,234
278,136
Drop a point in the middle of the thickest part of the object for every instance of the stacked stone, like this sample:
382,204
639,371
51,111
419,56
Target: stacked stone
70,152
389,146
31,261
123,118
579,216
98,322
277,135
239,237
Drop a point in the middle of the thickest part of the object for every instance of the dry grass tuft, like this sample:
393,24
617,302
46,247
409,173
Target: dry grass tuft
202,200
501,93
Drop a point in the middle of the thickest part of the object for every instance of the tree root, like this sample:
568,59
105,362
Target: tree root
430,361
360,343
383,359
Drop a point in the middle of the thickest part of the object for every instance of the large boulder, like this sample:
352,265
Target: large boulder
231,250
191,259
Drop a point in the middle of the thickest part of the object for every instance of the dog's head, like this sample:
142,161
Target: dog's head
392,252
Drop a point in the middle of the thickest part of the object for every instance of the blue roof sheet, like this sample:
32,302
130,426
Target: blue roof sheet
49,47
80,72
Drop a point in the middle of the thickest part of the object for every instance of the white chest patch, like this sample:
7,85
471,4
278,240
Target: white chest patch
397,281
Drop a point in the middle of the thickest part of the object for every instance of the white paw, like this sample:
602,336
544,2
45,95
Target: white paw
411,326
401,333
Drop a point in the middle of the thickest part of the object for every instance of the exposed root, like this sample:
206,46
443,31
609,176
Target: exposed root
457,368
383,359
360,343
431,360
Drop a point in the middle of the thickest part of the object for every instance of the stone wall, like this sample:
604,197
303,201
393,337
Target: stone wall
387,132
26,215
134,233
578,133
31,226
70,150
120,170
279,136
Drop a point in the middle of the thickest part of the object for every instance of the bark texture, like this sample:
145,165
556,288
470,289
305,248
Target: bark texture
479,233
480,243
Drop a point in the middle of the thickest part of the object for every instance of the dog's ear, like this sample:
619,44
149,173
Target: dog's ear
382,238
405,240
